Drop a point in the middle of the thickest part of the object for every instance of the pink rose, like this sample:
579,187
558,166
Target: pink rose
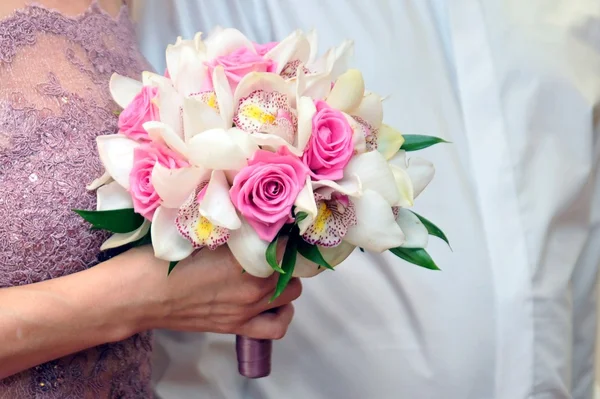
262,49
145,198
138,112
330,146
238,64
265,190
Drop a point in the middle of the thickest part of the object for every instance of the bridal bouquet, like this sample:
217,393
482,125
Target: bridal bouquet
245,144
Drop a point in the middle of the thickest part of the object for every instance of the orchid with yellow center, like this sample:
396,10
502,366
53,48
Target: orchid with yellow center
335,214
207,216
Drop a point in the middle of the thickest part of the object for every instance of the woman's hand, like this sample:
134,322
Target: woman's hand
209,292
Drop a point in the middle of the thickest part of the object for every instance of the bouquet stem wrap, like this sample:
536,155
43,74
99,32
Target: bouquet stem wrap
254,356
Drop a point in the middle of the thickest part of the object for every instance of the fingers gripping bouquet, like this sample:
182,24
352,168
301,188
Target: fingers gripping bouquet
245,144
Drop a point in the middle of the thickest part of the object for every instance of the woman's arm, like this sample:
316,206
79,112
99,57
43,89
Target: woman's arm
48,320
132,293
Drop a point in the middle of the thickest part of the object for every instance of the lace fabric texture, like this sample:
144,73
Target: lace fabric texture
54,101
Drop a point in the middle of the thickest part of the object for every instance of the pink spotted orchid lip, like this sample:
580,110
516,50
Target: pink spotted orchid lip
336,214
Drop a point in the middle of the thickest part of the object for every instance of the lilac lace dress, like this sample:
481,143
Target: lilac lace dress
54,101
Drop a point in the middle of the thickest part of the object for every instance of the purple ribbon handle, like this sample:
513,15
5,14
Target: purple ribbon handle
254,356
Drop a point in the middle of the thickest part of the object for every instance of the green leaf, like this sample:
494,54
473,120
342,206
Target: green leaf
415,142
417,256
171,267
116,221
301,216
271,255
312,253
288,264
432,228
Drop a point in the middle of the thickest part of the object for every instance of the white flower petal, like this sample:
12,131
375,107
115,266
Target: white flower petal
167,242
161,132
272,142
113,196
317,84
174,186
415,232
350,185
389,141
124,89
224,95
249,250
421,173
404,185
120,239
348,91
226,41
370,110
374,173
305,202
155,80
306,112
359,140
334,256
116,154
216,205
244,141
293,47
220,149
99,182
376,229
343,55
186,66
168,101
198,117
300,85
313,41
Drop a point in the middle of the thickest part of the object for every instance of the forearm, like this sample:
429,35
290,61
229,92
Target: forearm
44,321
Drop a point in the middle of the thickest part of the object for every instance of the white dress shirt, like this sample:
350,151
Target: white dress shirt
515,85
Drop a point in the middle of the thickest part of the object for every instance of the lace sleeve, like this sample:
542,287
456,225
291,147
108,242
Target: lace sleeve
54,102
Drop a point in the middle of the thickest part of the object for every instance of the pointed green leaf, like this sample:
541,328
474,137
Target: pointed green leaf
115,221
312,253
301,216
271,255
415,142
432,228
417,256
288,264
171,267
